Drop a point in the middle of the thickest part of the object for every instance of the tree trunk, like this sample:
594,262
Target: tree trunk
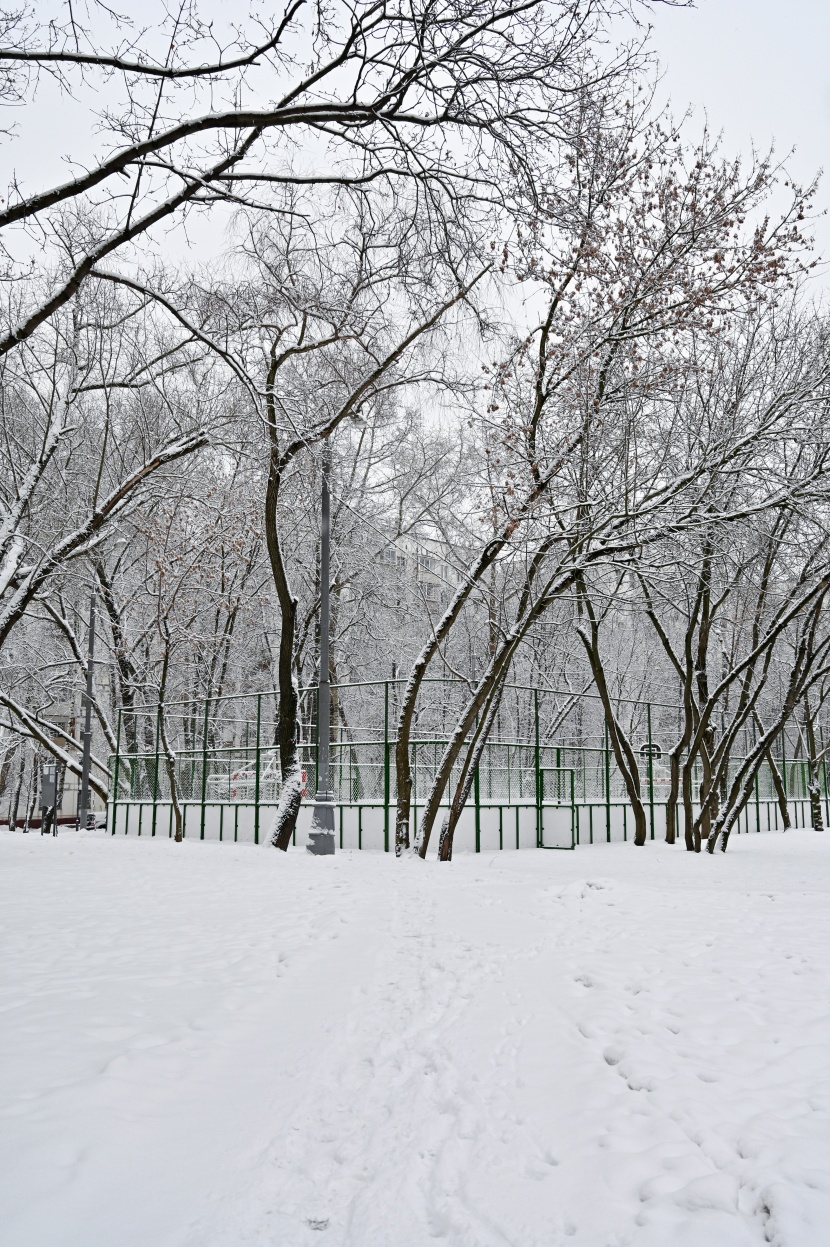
672,798
169,754
780,790
30,812
526,616
285,820
5,769
708,794
813,764
741,788
731,819
691,830
59,789
494,675
170,766
814,792
623,753
403,770
170,763
15,805
468,773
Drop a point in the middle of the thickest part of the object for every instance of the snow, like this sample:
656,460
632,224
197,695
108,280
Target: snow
217,1045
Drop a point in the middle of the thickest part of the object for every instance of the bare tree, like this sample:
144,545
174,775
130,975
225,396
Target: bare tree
375,94
638,256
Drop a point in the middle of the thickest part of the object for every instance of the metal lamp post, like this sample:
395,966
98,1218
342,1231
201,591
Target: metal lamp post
86,734
321,835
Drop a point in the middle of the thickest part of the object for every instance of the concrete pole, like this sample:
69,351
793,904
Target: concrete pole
86,734
321,835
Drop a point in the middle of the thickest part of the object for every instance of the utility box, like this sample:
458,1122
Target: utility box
48,786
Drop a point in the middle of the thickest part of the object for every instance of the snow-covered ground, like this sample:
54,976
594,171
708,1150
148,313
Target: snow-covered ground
221,1046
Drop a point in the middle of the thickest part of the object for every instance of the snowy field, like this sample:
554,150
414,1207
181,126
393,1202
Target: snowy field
216,1046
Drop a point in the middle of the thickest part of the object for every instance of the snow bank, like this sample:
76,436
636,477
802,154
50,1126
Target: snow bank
218,1045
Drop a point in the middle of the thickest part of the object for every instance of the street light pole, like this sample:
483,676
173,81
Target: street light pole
321,835
86,734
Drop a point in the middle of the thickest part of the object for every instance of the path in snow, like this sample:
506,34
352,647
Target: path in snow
221,1046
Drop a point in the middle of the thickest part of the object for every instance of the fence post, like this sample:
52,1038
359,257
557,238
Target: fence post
607,786
256,772
477,798
156,773
650,772
386,784
574,819
204,770
115,772
538,769
824,767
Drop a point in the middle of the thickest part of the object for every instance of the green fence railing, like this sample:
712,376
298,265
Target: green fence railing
225,759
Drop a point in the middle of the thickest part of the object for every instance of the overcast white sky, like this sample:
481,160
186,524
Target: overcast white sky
759,70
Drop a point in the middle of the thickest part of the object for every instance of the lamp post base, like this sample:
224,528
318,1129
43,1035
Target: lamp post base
321,836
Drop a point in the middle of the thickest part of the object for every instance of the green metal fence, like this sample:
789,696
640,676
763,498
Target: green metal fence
227,776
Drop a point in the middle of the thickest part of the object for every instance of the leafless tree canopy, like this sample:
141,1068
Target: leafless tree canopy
565,358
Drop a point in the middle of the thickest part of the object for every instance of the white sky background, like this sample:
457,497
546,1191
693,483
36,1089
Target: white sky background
758,71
